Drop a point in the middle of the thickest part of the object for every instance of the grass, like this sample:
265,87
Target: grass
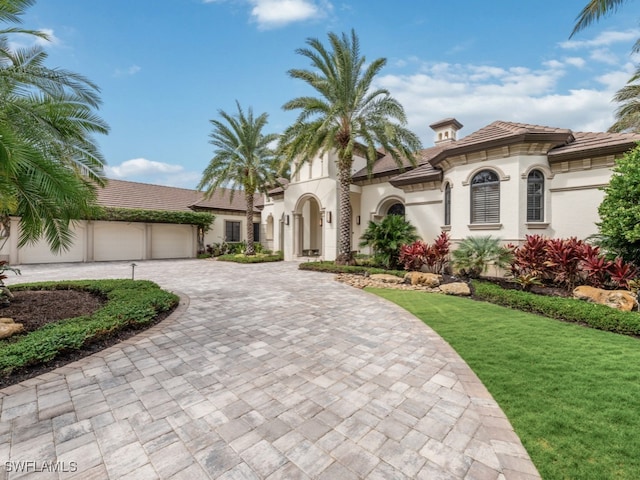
572,393
131,304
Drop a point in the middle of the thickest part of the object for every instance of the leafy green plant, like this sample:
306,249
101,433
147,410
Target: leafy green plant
620,209
474,255
257,258
5,293
386,237
332,267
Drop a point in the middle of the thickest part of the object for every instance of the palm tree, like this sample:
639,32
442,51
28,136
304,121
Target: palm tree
50,164
628,113
346,116
242,158
474,255
386,237
593,11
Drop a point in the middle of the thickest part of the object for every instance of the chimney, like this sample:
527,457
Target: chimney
446,130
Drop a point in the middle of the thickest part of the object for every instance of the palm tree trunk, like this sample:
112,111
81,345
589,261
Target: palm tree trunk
344,220
250,247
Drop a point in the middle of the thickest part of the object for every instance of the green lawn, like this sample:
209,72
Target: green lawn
572,393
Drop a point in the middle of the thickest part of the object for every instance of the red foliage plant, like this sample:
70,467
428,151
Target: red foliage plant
568,262
434,258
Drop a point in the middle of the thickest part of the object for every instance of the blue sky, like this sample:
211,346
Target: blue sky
165,67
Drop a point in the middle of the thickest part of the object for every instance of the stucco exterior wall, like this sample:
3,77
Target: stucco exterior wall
216,233
109,241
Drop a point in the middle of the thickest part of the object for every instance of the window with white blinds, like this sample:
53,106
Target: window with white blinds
535,196
485,197
447,204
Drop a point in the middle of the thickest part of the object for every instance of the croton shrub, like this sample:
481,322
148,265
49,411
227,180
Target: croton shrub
568,262
433,257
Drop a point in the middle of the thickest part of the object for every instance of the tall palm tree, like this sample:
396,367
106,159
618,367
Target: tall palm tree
242,158
348,114
50,164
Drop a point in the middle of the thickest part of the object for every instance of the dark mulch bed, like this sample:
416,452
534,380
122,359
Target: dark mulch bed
548,290
35,308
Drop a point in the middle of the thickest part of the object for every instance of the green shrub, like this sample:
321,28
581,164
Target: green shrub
386,237
258,258
567,309
131,304
331,267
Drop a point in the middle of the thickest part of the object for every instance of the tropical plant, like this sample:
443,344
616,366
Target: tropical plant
243,158
564,257
347,116
49,161
386,237
5,293
473,255
420,255
620,209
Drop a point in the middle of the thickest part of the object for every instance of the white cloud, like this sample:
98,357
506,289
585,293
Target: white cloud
578,62
141,166
132,70
478,95
149,171
605,39
277,13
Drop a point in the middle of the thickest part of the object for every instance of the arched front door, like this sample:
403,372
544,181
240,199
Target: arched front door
308,228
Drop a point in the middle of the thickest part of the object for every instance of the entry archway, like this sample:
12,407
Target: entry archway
308,220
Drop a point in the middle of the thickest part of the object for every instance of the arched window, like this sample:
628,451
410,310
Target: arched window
535,196
270,227
485,197
447,204
396,209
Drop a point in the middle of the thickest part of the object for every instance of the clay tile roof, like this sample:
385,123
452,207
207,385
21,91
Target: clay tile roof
588,144
446,121
145,196
123,194
388,166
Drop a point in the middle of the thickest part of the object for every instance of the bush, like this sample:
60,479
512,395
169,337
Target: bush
257,258
567,309
331,267
474,255
386,237
420,255
131,304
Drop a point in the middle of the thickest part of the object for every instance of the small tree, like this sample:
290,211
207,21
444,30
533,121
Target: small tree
620,210
386,237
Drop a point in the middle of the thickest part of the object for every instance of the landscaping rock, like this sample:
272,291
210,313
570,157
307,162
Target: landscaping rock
386,278
457,288
620,299
8,328
430,280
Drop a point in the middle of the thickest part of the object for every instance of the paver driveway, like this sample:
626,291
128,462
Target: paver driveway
267,372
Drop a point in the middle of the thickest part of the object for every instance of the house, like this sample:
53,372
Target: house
101,240
506,180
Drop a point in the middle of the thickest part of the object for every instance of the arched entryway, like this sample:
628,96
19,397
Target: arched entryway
308,219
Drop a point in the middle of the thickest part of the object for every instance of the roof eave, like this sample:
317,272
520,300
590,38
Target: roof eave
602,151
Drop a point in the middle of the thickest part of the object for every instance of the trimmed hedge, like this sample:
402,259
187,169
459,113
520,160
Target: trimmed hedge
201,219
257,258
131,304
567,309
331,267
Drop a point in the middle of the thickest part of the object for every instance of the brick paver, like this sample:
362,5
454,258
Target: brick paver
265,372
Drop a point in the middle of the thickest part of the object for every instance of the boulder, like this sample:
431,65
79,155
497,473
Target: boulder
456,288
430,280
8,328
386,278
620,299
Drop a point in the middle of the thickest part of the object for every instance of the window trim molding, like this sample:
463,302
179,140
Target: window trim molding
473,188
502,177
542,195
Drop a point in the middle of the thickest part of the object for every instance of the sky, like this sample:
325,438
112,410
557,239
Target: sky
167,67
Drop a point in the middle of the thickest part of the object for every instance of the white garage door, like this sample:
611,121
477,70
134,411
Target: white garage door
172,241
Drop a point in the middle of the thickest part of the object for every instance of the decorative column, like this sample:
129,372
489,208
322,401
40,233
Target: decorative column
297,234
